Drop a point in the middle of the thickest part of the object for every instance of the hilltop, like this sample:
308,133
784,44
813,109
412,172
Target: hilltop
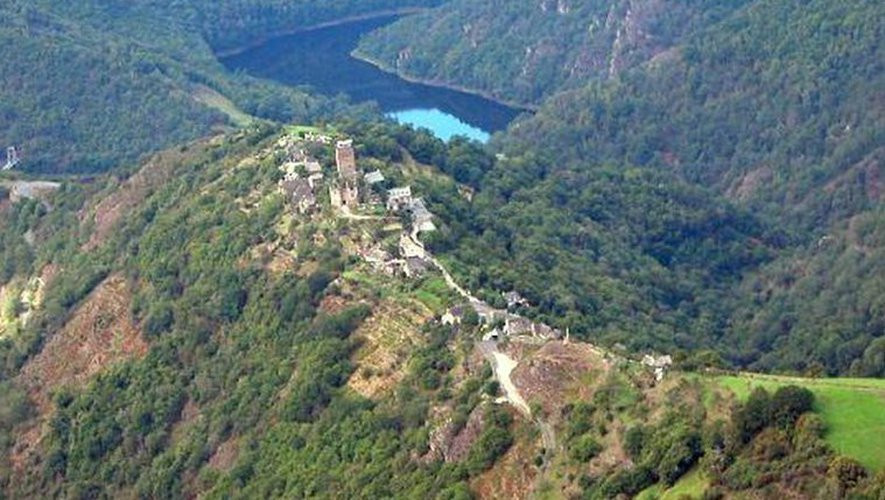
719,190
254,315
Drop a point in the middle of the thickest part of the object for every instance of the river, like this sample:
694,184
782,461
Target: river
321,59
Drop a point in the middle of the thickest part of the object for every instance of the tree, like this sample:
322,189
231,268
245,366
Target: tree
585,448
752,416
788,403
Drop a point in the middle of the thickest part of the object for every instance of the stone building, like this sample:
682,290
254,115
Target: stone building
348,177
422,219
374,177
299,193
399,198
345,159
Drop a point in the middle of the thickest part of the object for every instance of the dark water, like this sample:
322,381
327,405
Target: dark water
321,59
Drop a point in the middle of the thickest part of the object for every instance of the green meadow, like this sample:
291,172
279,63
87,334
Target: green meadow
692,485
853,409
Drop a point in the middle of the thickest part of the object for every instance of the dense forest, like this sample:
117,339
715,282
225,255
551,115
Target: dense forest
526,51
693,201
86,86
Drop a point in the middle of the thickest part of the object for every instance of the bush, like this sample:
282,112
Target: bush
788,403
492,443
771,445
14,406
634,440
159,320
753,415
340,325
847,472
492,388
680,457
585,448
628,482
307,401
580,419
740,475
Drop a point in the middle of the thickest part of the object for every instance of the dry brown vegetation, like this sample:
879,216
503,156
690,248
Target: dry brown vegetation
225,455
101,331
387,336
558,373
132,192
452,445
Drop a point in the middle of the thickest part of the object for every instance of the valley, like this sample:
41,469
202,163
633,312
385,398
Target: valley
322,59
443,249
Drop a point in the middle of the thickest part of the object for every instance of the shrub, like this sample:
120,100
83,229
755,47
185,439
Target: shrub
585,448
788,403
753,415
847,472
678,459
492,443
771,445
634,440
580,419
14,406
740,475
158,320
628,482
492,388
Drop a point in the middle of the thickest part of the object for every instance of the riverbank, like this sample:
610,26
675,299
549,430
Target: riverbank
257,42
444,85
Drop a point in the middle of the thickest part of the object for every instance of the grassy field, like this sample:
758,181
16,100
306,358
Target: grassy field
302,129
221,103
853,409
435,294
692,484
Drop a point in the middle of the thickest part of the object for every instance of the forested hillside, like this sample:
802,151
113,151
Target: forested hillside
85,86
570,311
779,107
525,51
184,330
775,112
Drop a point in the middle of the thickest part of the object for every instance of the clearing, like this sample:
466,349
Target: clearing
692,485
853,409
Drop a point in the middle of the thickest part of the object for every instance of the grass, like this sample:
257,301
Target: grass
434,293
302,129
853,409
365,281
221,103
691,484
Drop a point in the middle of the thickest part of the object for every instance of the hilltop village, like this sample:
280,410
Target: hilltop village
354,193
358,195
